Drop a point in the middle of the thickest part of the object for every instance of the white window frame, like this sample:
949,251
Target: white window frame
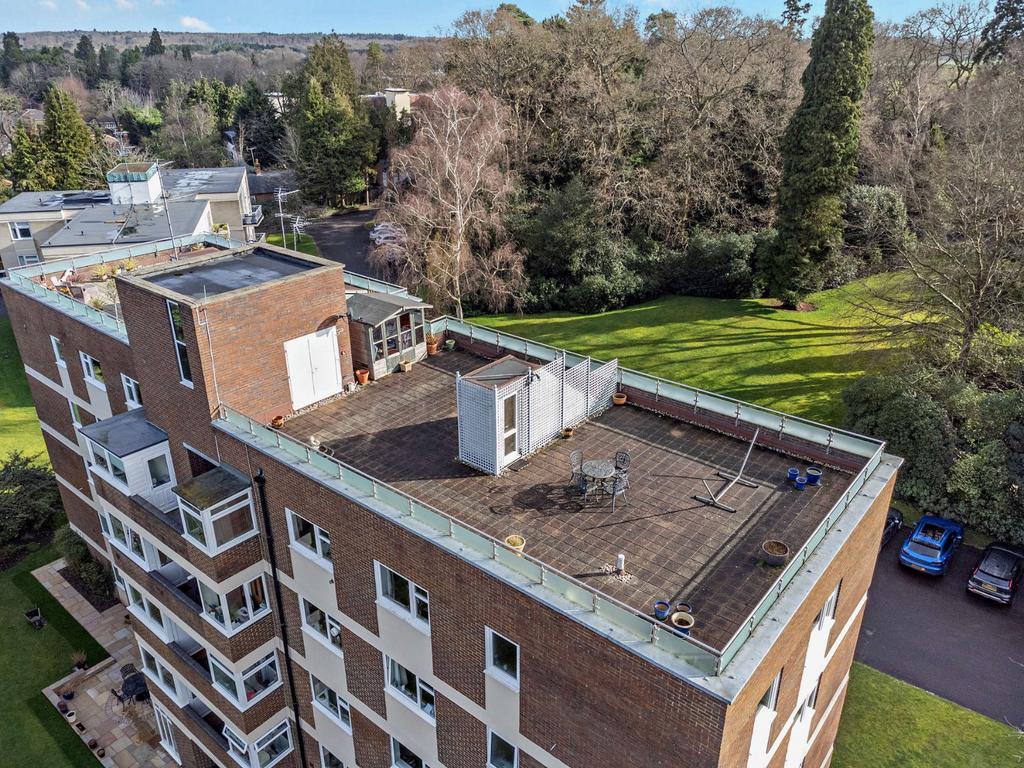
207,517
76,416
132,392
515,750
102,462
229,628
826,616
90,365
513,431
419,598
772,694
324,752
321,540
147,560
58,352
238,696
342,715
396,762
416,704
142,613
331,622
180,346
497,672
157,674
165,728
15,228
269,737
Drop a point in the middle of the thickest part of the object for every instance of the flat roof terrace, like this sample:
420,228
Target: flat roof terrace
403,431
235,270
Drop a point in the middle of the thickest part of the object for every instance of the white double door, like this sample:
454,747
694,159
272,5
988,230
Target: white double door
314,367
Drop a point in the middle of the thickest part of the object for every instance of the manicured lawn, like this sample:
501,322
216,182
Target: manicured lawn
306,244
797,362
889,724
19,426
33,733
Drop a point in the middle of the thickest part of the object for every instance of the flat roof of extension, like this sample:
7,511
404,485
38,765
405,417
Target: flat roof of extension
221,274
180,182
107,223
403,431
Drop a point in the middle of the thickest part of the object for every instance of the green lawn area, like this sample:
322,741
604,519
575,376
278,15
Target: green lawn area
797,362
889,724
33,733
306,244
19,426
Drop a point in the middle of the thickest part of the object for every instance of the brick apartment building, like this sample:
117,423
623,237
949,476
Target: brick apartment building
338,589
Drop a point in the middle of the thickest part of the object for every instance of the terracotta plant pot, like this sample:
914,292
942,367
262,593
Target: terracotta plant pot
277,422
362,375
432,345
567,432
774,553
619,398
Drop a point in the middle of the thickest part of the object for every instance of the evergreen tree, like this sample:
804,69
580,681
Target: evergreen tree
29,164
335,146
85,53
1006,25
186,53
259,125
819,149
11,56
372,80
129,58
155,46
794,17
328,63
68,139
109,63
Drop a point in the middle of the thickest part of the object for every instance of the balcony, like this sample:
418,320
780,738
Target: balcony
179,584
254,218
207,723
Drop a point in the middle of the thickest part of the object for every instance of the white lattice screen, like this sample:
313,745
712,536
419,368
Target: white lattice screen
603,384
478,425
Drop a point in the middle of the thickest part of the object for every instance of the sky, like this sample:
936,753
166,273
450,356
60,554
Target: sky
413,17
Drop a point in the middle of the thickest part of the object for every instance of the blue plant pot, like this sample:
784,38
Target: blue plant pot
800,483
661,610
814,475
793,474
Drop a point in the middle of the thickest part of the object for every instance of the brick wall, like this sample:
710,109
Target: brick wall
364,671
461,738
373,746
81,515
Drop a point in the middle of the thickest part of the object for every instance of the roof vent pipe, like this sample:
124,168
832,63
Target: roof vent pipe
620,564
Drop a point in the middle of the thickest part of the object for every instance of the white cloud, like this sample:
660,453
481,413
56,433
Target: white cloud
125,5
196,25
82,5
49,5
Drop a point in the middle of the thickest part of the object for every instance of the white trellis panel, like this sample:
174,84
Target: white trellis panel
575,394
478,426
544,400
603,384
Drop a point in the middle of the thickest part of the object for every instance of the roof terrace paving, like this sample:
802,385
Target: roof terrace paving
403,431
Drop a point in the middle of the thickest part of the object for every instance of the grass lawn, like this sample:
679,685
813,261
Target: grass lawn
797,362
306,244
890,724
33,733
19,426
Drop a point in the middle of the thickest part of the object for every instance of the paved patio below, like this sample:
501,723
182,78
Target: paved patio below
128,737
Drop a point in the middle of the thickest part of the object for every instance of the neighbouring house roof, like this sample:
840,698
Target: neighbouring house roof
40,202
108,224
374,308
126,433
185,182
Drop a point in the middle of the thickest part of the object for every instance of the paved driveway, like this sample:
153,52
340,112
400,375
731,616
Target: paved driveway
931,633
344,238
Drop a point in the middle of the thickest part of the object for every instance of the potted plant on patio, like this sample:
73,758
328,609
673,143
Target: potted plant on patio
449,344
66,692
277,422
78,660
567,432
774,553
405,365
433,342
362,375
619,398
515,542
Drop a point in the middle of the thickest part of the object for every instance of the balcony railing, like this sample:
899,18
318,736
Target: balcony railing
253,218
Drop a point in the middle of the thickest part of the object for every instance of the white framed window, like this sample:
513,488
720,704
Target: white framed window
411,599
770,700
132,393
180,348
410,687
20,230
238,608
323,627
328,760
159,471
249,686
76,413
330,702
265,751
111,466
403,757
309,539
828,610
502,658
222,525
500,753
24,259
58,351
125,538
91,369
146,610
509,412
166,730
158,672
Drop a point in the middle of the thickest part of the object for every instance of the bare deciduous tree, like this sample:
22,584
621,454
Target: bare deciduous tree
448,192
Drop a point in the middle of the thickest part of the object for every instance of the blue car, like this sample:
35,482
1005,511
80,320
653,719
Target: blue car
931,545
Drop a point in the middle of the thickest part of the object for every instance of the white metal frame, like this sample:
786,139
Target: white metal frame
427,711
90,367
207,517
16,227
229,628
58,352
321,541
497,672
419,597
332,624
132,392
238,696
491,735
180,347
397,762
341,714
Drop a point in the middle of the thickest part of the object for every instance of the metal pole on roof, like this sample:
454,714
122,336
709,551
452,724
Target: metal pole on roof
167,213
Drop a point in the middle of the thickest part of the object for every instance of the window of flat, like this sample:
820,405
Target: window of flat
76,413
770,700
311,539
828,611
91,369
403,757
110,464
328,760
326,697
58,351
132,393
503,658
274,746
404,594
180,348
411,687
220,526
242,605
159,471
20,230
324,626
501,754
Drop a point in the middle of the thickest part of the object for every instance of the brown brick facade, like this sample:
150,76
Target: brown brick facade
461,738
373,746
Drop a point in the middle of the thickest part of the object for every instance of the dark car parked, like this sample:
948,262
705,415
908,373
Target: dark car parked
998,573
893,523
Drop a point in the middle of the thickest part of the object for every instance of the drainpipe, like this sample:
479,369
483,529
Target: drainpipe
261,491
